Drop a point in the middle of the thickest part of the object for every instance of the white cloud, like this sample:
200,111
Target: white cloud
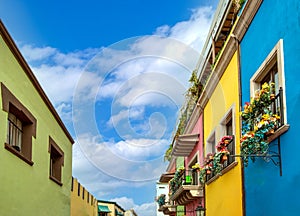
146,209
125,202
193,31
140,149
152,71
135,113
32,53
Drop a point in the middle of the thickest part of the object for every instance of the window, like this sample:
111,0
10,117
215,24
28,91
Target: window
14,133
272,77
211,143
72,184
194,173
228,130
88,197
78,189
21,126
272,71
56,161
83,191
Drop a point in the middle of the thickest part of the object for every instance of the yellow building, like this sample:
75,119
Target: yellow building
83,203
36,153
220,102
108,208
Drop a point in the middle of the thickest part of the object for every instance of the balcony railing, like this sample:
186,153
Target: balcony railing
225,163
14,137
168,207
186,187
277,107
187,177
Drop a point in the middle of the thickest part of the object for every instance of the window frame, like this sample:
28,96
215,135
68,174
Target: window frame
276,56
210,146
10,104
195,174
78,189
229,116
55,150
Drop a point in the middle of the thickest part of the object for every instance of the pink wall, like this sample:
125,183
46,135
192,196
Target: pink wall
190,208
199,146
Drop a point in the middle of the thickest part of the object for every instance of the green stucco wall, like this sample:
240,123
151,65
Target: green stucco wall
25,189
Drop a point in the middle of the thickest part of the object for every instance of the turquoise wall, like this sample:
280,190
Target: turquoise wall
266,192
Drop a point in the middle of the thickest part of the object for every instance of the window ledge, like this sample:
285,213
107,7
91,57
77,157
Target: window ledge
225,170
284,128
18,154
56,180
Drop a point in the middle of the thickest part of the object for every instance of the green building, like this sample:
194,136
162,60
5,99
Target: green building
36,153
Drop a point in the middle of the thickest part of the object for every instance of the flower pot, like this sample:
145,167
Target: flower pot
272,96
224,158
226,142
208,172
270,132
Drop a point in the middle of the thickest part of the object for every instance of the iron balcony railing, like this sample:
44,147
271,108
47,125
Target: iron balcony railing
188,177
226,163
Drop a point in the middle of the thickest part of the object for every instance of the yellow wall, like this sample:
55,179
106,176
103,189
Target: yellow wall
223,196
81,206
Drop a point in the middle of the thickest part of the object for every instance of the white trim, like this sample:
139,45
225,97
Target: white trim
223,122
208,147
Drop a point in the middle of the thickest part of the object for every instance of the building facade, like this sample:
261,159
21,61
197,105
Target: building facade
220,103
248,101
82,201
109,208
270,59
36,157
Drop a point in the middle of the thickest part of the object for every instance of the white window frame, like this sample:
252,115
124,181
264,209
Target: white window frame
276,55
209,148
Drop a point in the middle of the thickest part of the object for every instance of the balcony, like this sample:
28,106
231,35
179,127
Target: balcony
168,208
226,164
185,188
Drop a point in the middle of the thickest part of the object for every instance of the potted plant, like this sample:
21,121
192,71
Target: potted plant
161,200
258,122
196,167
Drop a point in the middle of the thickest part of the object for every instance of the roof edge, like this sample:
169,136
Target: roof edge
21,60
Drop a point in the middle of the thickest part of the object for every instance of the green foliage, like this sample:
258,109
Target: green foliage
161,200
176,181
258,122
168,153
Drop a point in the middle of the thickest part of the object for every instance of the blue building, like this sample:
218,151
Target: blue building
270,53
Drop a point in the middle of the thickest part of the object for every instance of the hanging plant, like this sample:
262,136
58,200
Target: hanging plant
176,181
168,153
258,122
161,200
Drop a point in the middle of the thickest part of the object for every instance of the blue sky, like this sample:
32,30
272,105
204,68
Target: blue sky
117,73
